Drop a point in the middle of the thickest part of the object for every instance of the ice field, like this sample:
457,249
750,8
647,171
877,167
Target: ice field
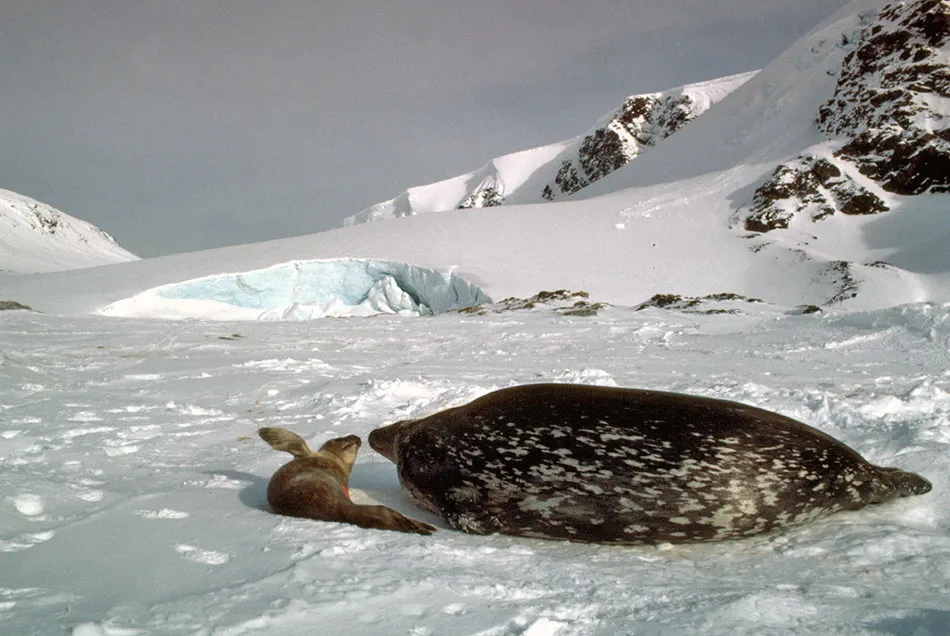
134,482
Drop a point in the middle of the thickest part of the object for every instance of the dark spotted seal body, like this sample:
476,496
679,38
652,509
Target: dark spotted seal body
315,485
628,466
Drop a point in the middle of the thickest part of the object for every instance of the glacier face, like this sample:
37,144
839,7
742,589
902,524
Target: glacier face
306,290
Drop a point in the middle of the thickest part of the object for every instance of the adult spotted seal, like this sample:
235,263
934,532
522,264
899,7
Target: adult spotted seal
628,466
316,485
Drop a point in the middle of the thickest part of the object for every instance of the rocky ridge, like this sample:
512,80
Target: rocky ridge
887,124
562,302
552,172
642,121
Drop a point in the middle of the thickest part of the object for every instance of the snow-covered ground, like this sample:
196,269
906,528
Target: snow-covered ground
134,484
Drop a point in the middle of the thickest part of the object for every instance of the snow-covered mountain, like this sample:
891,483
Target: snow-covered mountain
35,237
757,197
552,172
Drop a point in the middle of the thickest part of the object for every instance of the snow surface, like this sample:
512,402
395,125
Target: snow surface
134,484
35,237
305,290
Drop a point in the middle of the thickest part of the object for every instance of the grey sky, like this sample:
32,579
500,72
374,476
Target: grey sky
184,124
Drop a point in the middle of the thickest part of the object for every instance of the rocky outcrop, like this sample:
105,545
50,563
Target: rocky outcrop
723,303
892,99
489,193
812,186
889,120
562,302
641,121
12,305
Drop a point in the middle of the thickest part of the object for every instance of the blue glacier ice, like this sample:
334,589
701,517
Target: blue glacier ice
303,290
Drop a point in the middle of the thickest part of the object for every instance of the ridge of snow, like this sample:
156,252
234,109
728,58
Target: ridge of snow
35,237
556,170
768,119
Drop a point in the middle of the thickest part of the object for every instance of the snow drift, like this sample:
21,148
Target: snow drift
305,290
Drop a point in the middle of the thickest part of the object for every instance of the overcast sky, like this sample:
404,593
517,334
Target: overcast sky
178,125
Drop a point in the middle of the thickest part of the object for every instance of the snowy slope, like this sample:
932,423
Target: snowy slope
35,237
548,173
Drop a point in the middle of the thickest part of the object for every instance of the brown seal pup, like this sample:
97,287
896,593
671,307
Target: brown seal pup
628,466
316,485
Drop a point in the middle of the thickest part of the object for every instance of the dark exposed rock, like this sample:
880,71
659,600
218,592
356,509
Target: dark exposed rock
808,185
698,304
643,120
12,305
903,162
484,196
562,302
661,300
892,97
568,180
845,283
802,310
861,202
601,153
889,109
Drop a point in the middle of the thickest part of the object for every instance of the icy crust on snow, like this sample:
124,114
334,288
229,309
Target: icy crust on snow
306,290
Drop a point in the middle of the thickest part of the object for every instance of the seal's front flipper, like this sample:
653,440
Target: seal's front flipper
283,440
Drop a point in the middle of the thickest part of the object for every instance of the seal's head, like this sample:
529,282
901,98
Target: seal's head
343,448
383,440
904,484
